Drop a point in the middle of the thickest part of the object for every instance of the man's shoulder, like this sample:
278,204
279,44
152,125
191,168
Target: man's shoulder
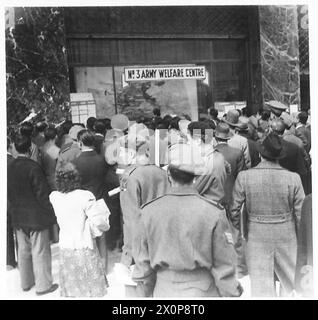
67,147
198,200
237,137
230,150
149,169
290,146
154,202
210,202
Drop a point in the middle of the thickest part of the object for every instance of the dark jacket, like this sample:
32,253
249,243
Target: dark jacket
303,133
253,150
293,159
28,195
99,139
235,158
92,168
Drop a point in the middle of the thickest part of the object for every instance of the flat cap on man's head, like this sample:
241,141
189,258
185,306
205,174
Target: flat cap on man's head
74,131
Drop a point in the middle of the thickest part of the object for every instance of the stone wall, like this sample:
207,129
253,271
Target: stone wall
36,65
279,53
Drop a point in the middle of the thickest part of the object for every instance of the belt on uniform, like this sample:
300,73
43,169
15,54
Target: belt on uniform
276,218
184,275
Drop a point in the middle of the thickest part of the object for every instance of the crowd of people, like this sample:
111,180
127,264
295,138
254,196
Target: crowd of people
193,206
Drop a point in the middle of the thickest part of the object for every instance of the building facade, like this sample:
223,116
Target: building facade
250,54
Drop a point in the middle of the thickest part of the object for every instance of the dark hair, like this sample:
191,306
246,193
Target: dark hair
100,127
26,129
151,126
303,117
244,112
205,130
22,143
265,115
220,139
107,122
186,116
50,133
210,123
86,137
156,112
67,178
163,125
90,123
166,120
41,126
174,123
66,126
214,113
180,176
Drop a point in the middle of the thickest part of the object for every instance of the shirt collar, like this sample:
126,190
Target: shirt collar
183,190
268,164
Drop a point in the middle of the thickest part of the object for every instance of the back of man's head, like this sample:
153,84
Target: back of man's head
86,137
266,114
100,127
303,117
41,126
22,143
26,129
213,113
66,126
156,112
202,130
50,133
90,123
278,126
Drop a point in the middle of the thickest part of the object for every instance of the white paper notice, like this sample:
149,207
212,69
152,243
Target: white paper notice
229,107
293,108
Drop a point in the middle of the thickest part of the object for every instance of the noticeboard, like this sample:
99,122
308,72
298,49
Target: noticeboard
83,106
226,106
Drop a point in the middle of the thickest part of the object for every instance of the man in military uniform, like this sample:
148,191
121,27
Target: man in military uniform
210,185
185,246
140,183
276,109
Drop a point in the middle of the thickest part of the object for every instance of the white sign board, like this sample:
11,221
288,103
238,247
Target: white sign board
154,73
83,106
293,108
226,106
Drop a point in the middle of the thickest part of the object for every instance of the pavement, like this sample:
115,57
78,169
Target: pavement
115,291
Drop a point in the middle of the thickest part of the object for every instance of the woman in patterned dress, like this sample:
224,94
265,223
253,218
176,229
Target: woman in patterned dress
81,269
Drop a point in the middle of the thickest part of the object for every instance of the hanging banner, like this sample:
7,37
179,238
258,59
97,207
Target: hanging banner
164,73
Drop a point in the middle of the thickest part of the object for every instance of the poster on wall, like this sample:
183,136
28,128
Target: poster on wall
226,106
83,106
